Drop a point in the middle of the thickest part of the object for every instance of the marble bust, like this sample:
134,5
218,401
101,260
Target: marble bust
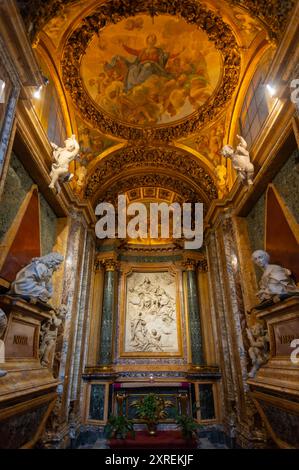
276,281
63,156
35,280
240,160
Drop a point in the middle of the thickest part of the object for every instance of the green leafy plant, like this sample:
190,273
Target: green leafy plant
119,426
152,408
188,425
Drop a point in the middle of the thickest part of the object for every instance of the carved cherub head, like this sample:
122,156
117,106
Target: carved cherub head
70,143
227,151
257,330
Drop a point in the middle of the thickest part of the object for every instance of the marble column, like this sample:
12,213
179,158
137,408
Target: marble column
108,314
195,330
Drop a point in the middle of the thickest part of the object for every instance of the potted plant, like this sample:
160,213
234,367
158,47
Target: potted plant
119,427
152,409
188,426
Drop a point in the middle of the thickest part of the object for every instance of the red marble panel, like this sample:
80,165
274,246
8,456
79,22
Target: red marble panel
281,242
26,243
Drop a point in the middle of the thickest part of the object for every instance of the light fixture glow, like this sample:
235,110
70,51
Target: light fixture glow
271,90
37,93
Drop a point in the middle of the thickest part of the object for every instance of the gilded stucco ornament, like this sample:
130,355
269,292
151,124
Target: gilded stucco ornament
131,158
112,12
187,193
276,282
273,13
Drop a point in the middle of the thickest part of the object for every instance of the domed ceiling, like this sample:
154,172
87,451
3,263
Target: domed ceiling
137,73
152,88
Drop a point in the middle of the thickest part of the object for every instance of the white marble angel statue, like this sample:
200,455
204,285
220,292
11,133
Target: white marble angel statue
35,280
62,159
241,160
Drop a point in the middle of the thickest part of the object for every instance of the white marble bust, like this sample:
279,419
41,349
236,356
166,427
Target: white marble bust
35,280
276,280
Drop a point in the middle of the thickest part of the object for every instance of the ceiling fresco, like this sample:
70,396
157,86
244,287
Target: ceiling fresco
137,73
153,86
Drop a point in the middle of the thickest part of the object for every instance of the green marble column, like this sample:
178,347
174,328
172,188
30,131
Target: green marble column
194,317
108,314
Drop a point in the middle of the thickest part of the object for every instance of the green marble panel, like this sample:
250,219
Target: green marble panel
206,400
97,402
194,320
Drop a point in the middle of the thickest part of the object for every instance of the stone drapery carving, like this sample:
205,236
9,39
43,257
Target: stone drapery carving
276,281
241,160
63,156
192,12
49,336
34,281
259,347
272,13
3,325
133,158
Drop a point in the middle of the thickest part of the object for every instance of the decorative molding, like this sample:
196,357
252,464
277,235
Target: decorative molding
113,12
273,14
186,191
140,157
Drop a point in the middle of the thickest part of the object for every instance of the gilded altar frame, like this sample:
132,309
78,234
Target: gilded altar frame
123,314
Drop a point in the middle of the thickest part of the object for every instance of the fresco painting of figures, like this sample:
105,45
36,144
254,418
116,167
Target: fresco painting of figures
135,71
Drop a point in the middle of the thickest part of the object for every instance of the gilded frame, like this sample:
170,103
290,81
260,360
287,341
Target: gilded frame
123,314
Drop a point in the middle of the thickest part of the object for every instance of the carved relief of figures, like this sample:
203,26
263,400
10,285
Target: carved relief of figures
35,280
49,336
151,324
276,281
62,159
259,347
241,160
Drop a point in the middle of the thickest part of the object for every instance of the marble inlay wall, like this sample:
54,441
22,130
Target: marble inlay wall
228,299
80,348
17,185
287,183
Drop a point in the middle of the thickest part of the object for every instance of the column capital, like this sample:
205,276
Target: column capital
193,264
109,264
106,261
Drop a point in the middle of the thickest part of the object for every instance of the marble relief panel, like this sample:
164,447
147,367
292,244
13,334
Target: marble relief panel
151,317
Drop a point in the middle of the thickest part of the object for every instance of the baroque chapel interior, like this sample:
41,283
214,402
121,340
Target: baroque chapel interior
109,106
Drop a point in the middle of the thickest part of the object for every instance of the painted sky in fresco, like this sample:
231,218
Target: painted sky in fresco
149,72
